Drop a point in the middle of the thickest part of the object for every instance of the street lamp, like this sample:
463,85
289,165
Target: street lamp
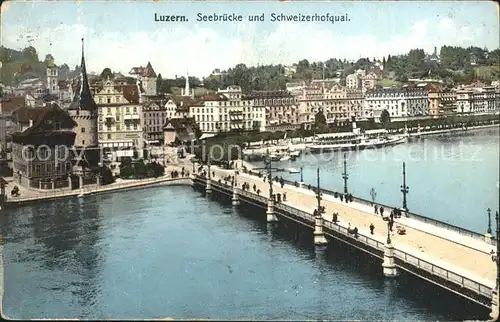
345,176
318,194
404,188
267,162
489,221
388,233
301,175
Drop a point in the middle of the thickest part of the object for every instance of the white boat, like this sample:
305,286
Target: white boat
293,170
295,153
285,158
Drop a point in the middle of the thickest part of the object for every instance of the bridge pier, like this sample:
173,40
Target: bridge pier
208,188
271,217
389,266
494,315
319,235
235,200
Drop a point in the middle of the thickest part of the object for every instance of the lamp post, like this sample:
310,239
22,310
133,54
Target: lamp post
267,161
318,194
489,221
301,175
388,233
345,176
404,188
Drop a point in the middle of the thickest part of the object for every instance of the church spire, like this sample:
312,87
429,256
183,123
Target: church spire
83,99
186,89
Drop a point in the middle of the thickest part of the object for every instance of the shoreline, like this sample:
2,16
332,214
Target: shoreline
452,130
93,190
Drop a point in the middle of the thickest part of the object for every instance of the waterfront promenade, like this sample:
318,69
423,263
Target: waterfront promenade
32,195
462,255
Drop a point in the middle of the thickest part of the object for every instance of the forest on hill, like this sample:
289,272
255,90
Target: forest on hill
455,65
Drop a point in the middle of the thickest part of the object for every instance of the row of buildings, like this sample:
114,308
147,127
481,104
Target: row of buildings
116,115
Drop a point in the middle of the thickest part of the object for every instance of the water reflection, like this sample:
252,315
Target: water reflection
58,239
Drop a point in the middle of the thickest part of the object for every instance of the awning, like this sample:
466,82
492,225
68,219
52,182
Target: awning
125,153
206,136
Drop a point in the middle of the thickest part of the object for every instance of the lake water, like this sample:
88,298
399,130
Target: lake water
171,252
452,178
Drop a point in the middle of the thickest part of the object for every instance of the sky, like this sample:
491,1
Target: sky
123,34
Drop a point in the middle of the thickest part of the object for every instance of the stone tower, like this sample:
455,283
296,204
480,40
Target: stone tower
52,75
84,111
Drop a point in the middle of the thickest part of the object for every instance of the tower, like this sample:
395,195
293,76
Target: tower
149,79
84,111
52,78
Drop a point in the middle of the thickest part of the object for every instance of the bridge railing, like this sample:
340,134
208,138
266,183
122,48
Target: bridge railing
438,223
444,273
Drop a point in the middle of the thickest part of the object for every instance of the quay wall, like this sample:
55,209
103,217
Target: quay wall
94,189
456,283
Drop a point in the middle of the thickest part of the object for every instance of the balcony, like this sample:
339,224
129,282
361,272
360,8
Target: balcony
131,117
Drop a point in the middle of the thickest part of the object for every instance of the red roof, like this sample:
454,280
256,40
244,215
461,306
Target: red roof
147,71
214,97
131,93
11,104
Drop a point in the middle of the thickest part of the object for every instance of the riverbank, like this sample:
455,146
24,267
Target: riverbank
94,189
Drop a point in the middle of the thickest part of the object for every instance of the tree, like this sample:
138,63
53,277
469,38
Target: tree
385,118
107,175
320,121
48,59
494,58
159,81
107,73
30,54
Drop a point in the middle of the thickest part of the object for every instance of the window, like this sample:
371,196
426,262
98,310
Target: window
135,109
83,142
83,130
109,100
109,136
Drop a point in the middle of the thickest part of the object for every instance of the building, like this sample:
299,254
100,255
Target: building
65,90
338,104
478,99
226,110
41,147
120,119
401,102
154,121
354,80
442,101
83,110
273,108
146,78
52,76
370,80
33,86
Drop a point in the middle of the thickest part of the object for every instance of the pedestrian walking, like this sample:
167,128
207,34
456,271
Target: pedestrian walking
376,210
284,196
382,211
372,228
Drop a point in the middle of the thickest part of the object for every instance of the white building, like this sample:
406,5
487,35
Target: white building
478,99
227,110
146,78
400,102
120,118
52,74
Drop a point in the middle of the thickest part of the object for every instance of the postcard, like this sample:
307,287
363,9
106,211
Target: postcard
249,160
